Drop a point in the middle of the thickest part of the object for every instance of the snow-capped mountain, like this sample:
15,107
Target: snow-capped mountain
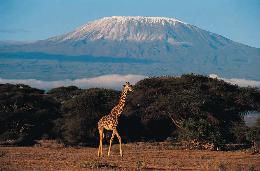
118,28
131,37
177,47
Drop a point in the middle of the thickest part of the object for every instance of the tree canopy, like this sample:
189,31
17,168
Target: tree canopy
186,107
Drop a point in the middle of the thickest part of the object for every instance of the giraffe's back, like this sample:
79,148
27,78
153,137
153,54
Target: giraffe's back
108,122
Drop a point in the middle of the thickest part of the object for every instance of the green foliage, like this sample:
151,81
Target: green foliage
81,114
25,113
201,130
190,106
206,107
61,94
239,132
254,132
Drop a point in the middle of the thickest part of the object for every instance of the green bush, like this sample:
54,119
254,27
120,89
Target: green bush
81,114
207,107
253,133
201,130
25,113
190,106
62,94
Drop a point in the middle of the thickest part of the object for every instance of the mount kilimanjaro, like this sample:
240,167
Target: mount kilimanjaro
149,46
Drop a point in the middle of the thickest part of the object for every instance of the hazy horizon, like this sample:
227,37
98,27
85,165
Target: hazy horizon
112,81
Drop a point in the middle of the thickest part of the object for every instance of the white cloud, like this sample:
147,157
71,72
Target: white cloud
239,82
114,81
106,81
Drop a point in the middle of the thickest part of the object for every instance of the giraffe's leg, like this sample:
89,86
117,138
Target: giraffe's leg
120,143
100,143
111,140
99,147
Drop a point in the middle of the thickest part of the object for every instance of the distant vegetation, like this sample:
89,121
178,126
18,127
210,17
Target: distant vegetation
184,108
26,113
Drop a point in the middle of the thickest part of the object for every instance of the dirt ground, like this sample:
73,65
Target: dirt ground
137,156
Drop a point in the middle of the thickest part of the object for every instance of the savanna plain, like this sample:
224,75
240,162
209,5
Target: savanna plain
136,156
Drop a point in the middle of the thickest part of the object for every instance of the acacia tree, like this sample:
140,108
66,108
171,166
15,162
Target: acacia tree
78,124
25,113
200,107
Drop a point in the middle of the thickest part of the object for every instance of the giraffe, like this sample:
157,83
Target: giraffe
110,121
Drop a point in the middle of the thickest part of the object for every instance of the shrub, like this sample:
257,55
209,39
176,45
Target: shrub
253,133
62,94
190,106
206,107
81,114
201,130
25,113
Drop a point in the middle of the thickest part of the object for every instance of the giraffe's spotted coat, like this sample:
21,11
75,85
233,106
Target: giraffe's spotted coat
110,121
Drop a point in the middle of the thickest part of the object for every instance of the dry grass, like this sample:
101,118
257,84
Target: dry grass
137,156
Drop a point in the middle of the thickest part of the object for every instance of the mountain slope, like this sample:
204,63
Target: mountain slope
170,42
130,37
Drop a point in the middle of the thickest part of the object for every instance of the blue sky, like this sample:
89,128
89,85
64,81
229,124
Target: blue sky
29,20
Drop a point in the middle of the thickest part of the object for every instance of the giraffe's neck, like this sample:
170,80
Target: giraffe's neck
120,106
122,98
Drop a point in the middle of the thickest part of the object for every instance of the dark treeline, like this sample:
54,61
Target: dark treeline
184,108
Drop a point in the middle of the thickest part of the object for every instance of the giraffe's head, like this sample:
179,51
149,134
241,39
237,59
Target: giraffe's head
128,87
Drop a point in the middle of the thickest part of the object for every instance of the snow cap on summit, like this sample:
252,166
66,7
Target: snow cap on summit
144,19
129,28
